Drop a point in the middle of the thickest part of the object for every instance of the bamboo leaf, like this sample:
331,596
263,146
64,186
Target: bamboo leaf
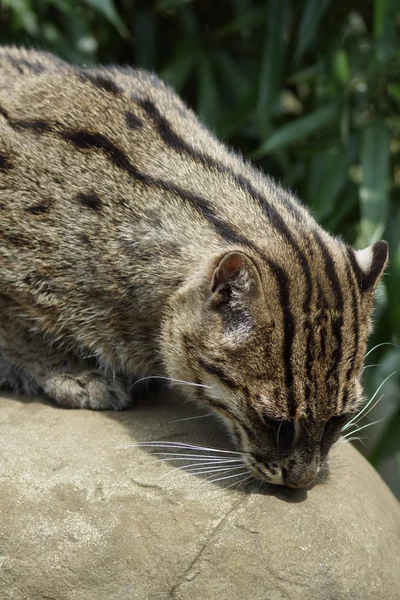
297,130
236,82
374,197
245,21
232,121
108,10
207,96
335,177
309,23
170,5
178,70
385,13
145,36
272,60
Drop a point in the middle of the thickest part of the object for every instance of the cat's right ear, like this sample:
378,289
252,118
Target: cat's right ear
369,265
236,286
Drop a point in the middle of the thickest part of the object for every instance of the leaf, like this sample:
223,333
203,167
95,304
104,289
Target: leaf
178,70
297,130
145,37
389,440
170,5
236,82
207,96
308,28
108,10
385,16
335,169
232,121
341,68
272,59
374,199
246,20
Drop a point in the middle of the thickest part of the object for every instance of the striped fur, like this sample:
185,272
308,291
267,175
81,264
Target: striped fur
133,243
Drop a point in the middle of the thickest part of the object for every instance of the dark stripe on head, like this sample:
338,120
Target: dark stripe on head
355,266
91,201
133,121
352,282
101,82
289,331
217,372
6,163
337,323
321,321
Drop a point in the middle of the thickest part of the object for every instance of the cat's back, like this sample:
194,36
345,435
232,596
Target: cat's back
110,161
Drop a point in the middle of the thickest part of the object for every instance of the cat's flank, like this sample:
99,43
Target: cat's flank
133,243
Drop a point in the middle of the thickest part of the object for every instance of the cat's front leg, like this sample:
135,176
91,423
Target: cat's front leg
29,366
86,389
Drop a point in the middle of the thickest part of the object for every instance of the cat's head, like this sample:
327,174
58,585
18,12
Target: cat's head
279,348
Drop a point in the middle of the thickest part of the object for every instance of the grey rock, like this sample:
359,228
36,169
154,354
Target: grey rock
85,515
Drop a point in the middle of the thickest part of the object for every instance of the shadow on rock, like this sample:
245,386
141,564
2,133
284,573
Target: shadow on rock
160,418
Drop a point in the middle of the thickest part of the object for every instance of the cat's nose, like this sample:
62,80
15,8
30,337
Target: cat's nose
292,485
297,481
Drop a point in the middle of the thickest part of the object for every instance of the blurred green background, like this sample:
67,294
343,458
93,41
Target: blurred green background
309,89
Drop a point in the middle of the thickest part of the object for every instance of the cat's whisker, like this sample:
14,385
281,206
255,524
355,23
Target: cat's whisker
362,411
347,440
241,482
363,427
277,433
179,456
212,470
191,418
379,345
226,477
169,379
178,445
195,470
212,464
354,424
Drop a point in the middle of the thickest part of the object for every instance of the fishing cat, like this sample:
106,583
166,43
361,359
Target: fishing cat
133,243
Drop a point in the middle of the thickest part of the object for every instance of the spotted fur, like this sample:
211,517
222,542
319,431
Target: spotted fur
133,243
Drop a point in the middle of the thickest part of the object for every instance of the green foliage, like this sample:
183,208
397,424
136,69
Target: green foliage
310,89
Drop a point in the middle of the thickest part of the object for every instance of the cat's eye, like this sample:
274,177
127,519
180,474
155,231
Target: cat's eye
283,429
271,422
337,421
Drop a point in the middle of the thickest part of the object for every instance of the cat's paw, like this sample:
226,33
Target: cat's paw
87,390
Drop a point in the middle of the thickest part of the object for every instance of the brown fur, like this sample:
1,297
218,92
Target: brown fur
133,243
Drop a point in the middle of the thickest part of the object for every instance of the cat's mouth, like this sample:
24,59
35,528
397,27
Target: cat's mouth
276,475
267,473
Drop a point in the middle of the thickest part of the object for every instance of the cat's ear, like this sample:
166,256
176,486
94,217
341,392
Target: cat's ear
236,282
369,264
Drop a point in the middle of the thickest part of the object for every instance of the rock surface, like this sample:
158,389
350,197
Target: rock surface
86,516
